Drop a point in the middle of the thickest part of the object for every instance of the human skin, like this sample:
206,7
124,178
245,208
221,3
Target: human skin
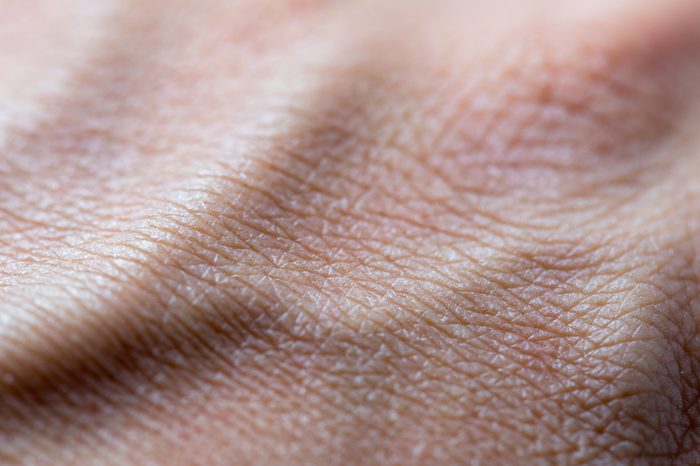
379,232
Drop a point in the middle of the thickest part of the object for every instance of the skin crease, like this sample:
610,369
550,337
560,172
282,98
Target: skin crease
307,232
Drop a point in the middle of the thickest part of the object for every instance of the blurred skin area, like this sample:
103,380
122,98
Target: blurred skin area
304,232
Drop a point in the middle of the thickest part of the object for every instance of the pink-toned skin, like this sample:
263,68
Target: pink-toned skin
303,232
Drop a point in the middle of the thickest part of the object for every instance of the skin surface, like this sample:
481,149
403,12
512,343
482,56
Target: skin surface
304,232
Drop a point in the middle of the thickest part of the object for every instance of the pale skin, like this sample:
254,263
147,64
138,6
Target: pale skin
310,232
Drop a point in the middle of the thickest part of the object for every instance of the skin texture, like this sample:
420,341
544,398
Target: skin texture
304,232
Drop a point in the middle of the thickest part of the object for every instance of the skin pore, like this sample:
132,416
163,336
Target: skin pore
305,232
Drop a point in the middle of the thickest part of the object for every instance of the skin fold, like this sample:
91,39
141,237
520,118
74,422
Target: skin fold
305,232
